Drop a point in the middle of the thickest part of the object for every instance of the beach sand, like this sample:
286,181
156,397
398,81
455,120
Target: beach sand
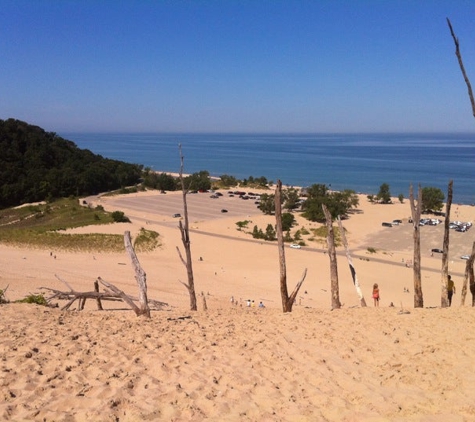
233,362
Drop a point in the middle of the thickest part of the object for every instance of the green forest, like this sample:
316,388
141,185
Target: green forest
36,165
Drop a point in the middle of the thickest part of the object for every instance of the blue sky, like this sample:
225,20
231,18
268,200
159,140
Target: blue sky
236,66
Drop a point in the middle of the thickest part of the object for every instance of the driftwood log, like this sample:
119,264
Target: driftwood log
141,278
112,293
350,264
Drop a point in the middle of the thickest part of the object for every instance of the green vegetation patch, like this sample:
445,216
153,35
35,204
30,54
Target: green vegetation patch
36,299
146,241
320,235
41,226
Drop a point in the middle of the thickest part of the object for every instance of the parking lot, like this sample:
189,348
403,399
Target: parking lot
201,206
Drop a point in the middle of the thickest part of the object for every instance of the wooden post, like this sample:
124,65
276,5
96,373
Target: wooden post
98,300
416,216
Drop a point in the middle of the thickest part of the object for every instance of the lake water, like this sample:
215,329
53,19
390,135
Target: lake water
361,162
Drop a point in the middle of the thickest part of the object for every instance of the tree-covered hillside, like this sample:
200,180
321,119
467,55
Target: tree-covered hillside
36,165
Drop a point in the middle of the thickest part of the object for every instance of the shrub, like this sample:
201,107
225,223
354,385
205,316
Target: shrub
36,299
120,217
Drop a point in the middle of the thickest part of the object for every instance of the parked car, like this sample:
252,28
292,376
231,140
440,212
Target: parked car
466,257
387,224
397,222
224,210
437,250
295,246
176,215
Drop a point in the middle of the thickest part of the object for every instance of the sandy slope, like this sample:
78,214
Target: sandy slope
234,362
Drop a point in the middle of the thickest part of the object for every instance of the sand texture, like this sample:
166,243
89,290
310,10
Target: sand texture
233,362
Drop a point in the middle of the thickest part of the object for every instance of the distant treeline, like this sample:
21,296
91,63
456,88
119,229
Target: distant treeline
36,165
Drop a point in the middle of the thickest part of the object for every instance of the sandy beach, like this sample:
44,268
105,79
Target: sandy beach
232,362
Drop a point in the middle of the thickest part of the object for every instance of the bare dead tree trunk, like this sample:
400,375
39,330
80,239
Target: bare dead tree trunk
185,238
444,299
287,301
416,216
335,290
469,277
350,264
462,67
140,276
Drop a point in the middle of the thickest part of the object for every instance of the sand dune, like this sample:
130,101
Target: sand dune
234,362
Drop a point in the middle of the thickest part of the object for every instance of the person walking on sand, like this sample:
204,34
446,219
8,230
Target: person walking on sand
450,289
376,294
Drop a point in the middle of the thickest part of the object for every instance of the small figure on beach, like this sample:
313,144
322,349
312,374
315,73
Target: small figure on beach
376,294
261,305
232,299
248,303
450,289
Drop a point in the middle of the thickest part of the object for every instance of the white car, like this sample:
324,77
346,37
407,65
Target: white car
467,257
295,246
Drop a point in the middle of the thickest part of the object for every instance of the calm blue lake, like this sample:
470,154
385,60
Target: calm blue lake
361,162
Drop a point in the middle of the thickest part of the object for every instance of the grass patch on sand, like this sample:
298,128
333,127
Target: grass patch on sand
146,241
43,226
320,234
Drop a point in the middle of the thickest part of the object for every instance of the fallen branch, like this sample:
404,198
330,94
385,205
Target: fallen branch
109,295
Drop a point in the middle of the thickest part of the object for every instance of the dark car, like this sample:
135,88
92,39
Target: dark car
437,250
224,210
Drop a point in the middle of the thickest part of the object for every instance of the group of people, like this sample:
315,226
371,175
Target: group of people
249,303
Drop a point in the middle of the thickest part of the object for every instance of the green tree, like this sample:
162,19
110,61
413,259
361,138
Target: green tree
384,194
291,199
162,181
288,221
432,199
267,204
270,232
257,233
228,180
198,181
401,198
288,237
36,165
338,203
